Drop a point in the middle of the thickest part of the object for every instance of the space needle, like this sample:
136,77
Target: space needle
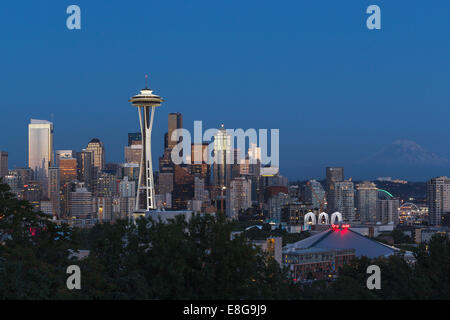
146,102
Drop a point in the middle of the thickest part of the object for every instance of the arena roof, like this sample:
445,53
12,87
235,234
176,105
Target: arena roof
344,239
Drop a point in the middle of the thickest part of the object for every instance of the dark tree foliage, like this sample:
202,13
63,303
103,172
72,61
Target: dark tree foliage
266,232
33,251
178,260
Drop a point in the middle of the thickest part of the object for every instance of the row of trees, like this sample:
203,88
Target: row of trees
182,260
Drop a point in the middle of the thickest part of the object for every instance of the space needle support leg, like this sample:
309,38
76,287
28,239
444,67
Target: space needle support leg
142,165
150,183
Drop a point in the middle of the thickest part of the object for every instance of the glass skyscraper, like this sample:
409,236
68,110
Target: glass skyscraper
40,150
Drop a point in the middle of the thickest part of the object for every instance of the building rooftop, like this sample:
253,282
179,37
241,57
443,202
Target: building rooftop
344,239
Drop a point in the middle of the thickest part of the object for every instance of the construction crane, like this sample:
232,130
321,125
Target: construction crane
321,201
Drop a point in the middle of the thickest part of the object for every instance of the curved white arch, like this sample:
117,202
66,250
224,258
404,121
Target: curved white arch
410,204
327,219
335,215
307,216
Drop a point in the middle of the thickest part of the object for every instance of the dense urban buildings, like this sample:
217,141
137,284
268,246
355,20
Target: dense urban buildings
235,186
345,218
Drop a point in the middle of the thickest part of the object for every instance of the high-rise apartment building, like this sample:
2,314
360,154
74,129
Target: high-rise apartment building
127,188
366,201
40,150
239,197
95,146
334,174
276,203
3,163
387,210
342,196
438,198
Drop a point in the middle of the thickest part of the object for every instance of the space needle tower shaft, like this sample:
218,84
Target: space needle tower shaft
146,102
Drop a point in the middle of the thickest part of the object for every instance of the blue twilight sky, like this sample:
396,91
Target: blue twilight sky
337,91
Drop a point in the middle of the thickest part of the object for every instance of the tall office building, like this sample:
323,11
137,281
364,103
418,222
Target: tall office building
183,188
134,138
3,163
85,168
67,170
80,204
12,179
33,193
276,203
54,187
342,198
24,175
200,167
175,121
366,201
95,146
127,189
106,184
165,182
63,154
133,153
223,158
438,198
40,150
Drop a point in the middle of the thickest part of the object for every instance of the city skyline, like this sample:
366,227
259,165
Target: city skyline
381,85
282,151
